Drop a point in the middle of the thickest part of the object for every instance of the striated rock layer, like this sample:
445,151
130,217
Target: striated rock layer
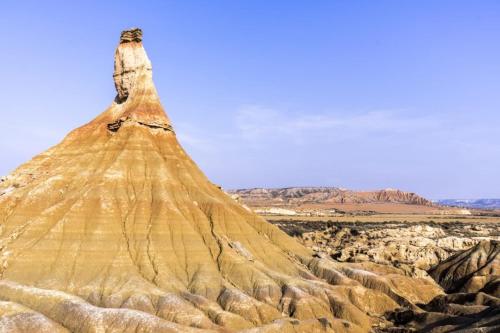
473,305
328,200
316,195
116,229
414,247
471,270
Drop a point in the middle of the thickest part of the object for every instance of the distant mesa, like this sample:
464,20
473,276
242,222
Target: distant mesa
294,195
327,198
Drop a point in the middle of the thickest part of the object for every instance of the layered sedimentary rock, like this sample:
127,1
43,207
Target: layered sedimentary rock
456,313
130,61
323,201
318,195
471,270
414,247
116,229
473,305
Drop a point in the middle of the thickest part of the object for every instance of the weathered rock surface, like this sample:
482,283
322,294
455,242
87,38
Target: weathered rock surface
331,201
316,195
473,305
448,314
415,248
130,62
472,253
116,229
471,270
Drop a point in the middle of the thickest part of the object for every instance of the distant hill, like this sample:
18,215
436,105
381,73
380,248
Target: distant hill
471,203
325,195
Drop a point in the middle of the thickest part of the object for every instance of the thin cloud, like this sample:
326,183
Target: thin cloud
363,149
254,126
257,122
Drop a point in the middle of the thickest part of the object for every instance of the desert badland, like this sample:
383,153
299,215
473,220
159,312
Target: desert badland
116,229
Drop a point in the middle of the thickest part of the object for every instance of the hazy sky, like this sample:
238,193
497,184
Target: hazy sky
357,94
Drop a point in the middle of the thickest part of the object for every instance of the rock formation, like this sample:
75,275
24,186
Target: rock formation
294,195
115,229
327,198
456,313
413,247
131,62
473,305
471,270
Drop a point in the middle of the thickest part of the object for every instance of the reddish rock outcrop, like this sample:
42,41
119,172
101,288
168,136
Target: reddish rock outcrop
323,195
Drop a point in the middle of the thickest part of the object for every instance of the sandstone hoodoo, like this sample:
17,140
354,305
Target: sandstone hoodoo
115,229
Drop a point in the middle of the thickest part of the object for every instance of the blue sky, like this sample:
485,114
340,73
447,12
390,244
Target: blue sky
357,94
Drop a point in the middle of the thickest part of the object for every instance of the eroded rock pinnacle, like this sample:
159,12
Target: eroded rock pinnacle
131,62
131,35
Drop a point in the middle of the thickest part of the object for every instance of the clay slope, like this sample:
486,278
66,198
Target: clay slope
116,229
462,312
471,270
323,195
473,305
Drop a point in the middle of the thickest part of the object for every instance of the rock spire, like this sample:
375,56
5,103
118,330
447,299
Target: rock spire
131,63
137,99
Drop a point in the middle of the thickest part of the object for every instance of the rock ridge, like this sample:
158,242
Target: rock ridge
303,195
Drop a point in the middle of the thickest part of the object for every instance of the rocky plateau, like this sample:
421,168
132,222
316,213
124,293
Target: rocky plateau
304,195
331,200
